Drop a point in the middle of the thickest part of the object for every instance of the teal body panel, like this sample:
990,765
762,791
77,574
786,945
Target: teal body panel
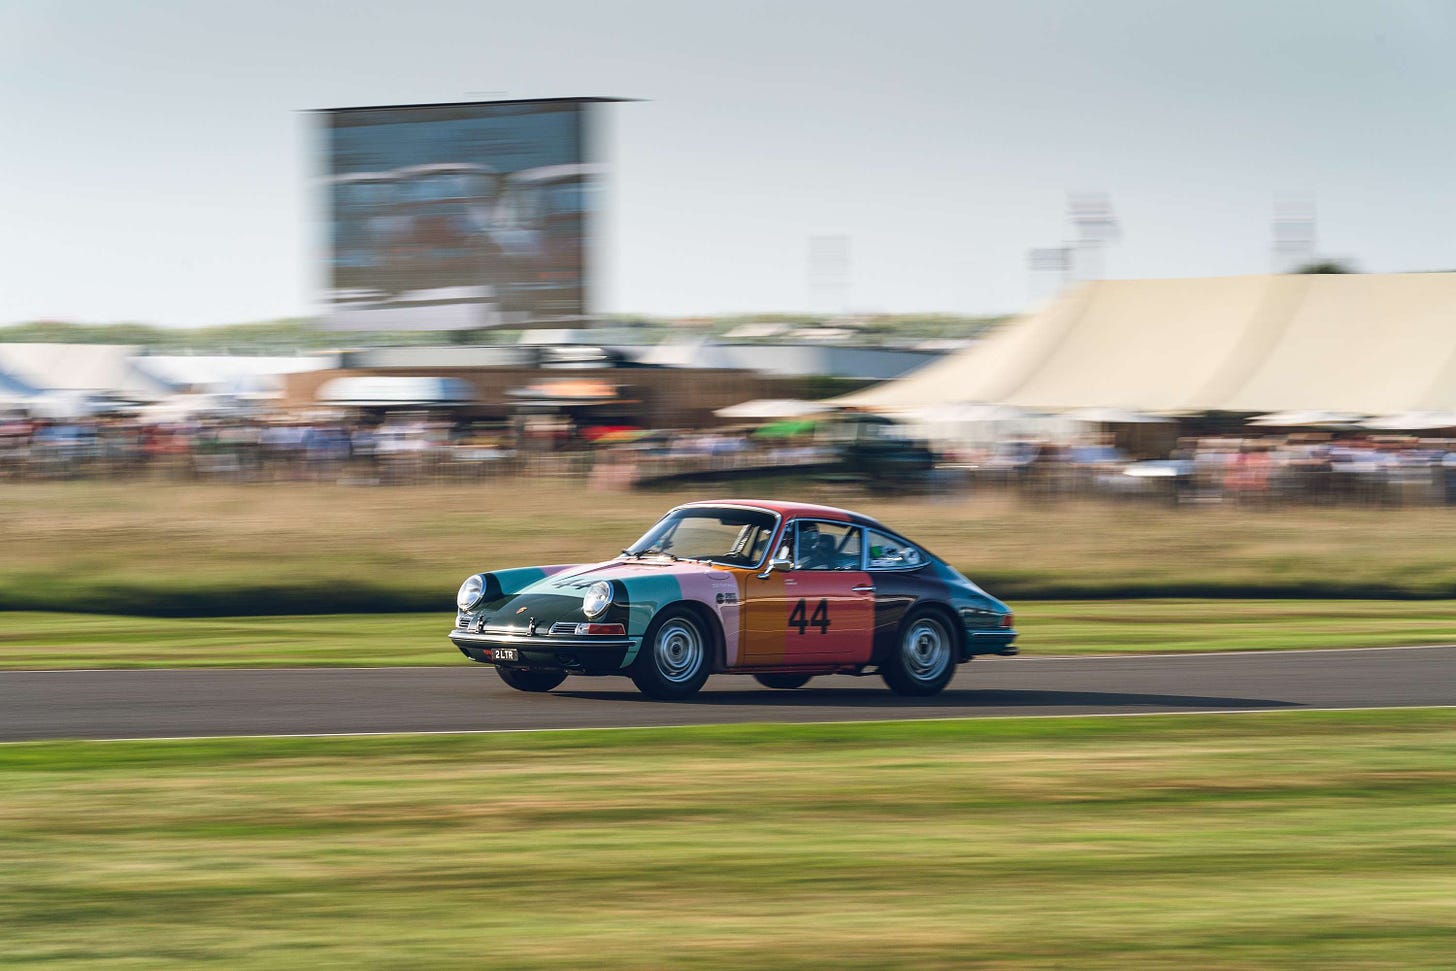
640,589
646,594
500,584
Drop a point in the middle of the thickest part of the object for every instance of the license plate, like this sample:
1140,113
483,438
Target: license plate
505,654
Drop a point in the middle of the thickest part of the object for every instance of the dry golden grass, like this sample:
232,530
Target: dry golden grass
143,547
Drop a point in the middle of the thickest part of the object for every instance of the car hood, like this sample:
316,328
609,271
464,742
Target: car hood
575,580
639,588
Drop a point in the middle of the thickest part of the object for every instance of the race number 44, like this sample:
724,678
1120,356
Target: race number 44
801,620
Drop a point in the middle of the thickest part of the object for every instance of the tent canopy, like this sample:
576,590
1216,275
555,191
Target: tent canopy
772,408
1364,344
82,368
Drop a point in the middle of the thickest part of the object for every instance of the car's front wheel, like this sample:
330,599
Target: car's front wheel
531,680
674,660
923,661
782,680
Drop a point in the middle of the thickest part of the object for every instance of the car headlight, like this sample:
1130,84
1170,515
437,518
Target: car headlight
470,593
598,598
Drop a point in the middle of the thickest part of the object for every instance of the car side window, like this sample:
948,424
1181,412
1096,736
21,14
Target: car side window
890,553
822,545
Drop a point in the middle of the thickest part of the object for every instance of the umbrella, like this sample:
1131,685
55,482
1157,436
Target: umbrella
786,429
1413,421
969,413
773,408
1115,416
620,436
1308,419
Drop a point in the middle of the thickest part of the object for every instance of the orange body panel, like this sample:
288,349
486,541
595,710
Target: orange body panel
806,617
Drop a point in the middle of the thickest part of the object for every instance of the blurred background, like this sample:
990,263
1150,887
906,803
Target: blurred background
1143,252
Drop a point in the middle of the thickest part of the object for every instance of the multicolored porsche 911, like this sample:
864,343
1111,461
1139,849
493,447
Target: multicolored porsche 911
781,591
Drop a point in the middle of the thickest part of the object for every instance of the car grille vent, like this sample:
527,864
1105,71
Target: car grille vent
563,628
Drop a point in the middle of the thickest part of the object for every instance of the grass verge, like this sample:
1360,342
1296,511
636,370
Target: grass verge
43,640
157,548
1294,840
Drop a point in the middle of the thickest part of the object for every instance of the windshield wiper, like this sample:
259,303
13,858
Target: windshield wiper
639,554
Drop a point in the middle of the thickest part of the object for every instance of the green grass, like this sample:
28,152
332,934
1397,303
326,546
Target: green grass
1291,840
1172,626
168,549
45,640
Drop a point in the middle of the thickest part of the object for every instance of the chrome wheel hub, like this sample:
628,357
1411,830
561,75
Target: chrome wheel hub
927,650
678,651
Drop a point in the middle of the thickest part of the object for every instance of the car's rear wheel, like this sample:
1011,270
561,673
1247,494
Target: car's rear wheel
782,680
674,660
924,658
531,680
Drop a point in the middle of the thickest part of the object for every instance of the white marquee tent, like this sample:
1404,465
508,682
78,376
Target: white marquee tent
106,369
1362,344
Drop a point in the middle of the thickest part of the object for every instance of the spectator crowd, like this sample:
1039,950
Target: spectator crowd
1256,470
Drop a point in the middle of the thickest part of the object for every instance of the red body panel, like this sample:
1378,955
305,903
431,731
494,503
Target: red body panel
809,618
813,618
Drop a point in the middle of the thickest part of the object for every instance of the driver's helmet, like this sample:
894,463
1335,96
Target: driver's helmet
815,548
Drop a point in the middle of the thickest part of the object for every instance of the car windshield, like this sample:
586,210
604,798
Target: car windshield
735,537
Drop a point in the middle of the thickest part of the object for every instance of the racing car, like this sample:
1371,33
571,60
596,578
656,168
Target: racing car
781,591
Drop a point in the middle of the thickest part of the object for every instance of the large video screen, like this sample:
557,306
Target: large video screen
459,217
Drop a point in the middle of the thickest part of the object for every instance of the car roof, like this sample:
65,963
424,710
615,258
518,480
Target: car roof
792,510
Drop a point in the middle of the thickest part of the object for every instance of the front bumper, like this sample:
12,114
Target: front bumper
543,652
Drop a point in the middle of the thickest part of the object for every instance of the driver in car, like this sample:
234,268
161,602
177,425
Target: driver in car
816,550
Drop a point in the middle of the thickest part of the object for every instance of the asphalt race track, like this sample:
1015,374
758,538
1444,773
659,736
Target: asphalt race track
469,697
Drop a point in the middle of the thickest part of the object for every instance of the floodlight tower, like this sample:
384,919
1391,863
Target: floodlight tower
1294,242
1049,269
1093,227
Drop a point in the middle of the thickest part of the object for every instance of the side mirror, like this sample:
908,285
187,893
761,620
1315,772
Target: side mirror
776,563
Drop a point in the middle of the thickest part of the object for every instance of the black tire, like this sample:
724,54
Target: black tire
531,680
924,658
782,680
675,658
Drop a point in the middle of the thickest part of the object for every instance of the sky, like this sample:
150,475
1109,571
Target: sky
157,159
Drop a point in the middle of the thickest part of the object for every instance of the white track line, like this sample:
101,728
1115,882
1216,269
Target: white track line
638,728
1186,655
1251,652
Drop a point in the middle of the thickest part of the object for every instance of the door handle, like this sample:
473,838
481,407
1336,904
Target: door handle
863,588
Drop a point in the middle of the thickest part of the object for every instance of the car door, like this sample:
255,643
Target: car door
819,613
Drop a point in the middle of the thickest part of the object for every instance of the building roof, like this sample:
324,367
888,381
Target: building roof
230,373
1364,343
790,359
391,391
93,368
